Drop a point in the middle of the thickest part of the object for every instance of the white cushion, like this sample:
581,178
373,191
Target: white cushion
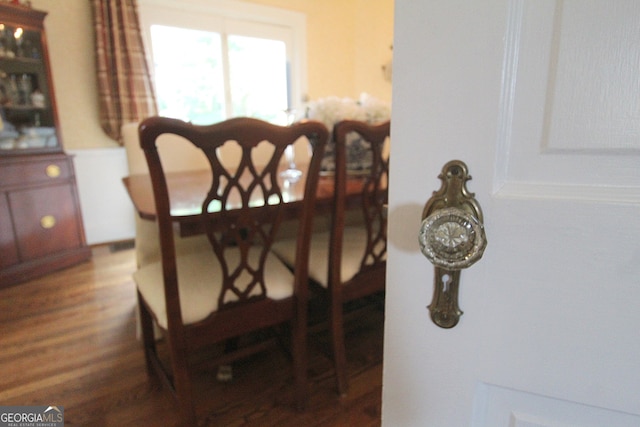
354,245
199,283
147,242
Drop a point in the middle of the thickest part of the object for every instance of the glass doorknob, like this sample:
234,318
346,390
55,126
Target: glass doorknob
452,238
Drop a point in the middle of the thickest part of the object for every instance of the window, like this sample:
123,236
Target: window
212,62
187,70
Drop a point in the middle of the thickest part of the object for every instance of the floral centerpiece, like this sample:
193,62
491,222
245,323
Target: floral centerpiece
333,109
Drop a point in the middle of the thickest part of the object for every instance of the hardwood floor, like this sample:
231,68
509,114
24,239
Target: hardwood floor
69,339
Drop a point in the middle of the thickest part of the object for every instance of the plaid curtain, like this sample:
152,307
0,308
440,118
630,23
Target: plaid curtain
124,83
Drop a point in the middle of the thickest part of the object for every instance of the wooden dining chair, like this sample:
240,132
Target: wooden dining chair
348,262
234,286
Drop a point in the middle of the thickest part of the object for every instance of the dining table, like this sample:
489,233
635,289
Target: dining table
187,190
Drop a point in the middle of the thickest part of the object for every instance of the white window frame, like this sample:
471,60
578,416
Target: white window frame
234,17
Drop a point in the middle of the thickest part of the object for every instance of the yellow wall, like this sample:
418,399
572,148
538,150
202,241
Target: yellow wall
345,54
348,41
372,46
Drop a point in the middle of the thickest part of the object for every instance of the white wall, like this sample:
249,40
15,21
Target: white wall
107,212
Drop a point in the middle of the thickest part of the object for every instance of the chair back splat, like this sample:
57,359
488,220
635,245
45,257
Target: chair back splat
234,285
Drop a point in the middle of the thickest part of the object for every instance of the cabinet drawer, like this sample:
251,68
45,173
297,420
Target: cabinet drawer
50,169
44,220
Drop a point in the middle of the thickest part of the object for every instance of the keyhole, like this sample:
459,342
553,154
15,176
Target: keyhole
446,280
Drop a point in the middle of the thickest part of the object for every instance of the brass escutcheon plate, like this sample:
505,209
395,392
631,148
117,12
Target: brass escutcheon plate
452,238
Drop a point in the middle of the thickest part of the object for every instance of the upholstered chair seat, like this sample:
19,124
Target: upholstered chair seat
200,283
355,242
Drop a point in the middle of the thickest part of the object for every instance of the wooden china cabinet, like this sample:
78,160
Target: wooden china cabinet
40,222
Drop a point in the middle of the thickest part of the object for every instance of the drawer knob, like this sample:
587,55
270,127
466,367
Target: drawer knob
48,221
53,171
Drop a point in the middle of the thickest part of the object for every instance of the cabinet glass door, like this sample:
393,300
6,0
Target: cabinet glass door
27,122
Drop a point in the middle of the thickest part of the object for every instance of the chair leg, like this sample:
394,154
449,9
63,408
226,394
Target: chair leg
181,381
337,342
148,339
225,372
181,385
299,354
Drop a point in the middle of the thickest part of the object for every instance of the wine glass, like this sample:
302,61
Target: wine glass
292,173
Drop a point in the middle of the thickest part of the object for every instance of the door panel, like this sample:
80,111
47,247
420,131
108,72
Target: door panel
544,114
570,114
520,409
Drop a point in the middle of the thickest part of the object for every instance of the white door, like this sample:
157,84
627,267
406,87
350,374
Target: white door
541,100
